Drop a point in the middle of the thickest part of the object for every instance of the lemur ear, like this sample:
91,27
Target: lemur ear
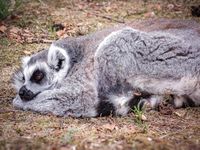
25,60
58,58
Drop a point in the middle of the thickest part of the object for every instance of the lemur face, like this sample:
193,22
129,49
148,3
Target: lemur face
36,78
42,71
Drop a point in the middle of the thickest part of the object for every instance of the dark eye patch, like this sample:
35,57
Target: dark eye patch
37,76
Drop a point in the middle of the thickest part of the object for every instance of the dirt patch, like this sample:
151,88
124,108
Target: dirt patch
178,129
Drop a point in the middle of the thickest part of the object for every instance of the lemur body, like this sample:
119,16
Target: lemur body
97,74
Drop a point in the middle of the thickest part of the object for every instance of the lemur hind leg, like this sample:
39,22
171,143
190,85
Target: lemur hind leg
186,100
184,91
175,101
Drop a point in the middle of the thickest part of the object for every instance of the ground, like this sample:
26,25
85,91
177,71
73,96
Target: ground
34,25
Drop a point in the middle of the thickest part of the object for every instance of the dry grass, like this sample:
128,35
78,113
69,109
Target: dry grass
27,130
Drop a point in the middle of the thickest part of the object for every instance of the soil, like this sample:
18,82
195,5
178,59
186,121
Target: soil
33,26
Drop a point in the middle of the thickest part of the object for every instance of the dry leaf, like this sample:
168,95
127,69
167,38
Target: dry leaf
15,30
149,14
170,6
128,129
137,94
3,28
26,52
180,113
60,33
109,127
143,117
158,7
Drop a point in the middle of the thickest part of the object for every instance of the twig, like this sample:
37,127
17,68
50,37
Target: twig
109,18
39,41
46,41
112,19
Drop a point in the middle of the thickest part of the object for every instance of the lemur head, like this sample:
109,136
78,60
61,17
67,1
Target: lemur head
42,71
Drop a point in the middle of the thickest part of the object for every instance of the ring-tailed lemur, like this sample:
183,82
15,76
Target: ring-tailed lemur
98,74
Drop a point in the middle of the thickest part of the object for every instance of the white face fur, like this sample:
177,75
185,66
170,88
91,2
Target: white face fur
42,71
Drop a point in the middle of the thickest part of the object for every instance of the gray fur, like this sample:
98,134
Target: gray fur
110,66
40,56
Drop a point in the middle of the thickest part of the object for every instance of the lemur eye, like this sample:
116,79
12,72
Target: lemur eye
37,76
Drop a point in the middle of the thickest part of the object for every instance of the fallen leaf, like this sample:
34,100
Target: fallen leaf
149,139
143,117
60,33
180,113
109,127
26,52
128,129
150,14
3,28
170,6
137,94
158,7
15,30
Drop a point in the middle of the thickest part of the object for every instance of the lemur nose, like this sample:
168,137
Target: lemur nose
22,90
25,94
